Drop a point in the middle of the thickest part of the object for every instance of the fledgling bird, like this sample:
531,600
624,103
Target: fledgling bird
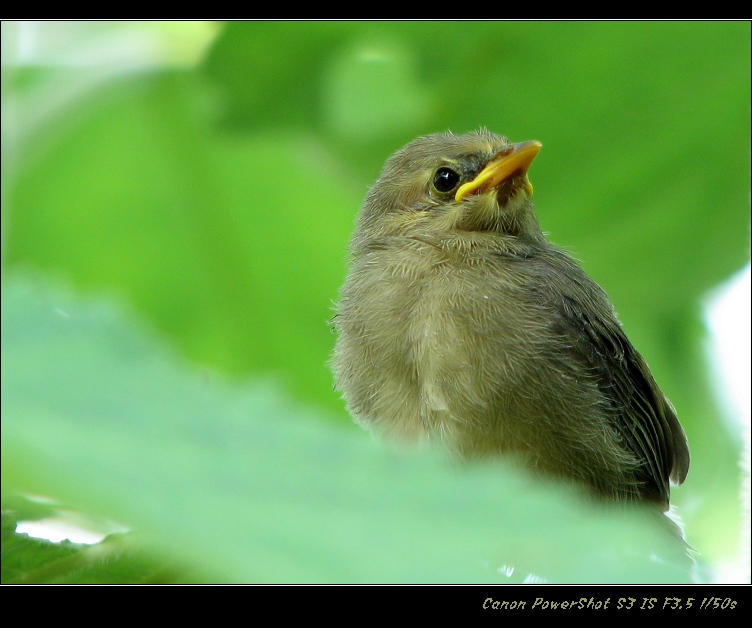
460,322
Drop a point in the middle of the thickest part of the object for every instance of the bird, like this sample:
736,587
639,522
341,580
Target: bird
459,323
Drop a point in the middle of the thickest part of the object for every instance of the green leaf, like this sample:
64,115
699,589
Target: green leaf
234,480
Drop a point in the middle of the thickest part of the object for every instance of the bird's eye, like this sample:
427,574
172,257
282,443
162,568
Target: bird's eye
445,180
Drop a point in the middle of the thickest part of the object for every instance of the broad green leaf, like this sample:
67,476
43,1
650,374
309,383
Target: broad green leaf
234,480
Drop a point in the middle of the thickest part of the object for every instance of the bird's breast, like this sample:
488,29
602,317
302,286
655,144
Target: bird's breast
430,344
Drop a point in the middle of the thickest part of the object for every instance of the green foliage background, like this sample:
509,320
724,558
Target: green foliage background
177,201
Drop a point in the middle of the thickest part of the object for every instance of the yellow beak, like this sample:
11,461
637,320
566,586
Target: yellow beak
512,159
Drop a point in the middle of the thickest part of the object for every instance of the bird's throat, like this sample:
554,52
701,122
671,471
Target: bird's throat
506,210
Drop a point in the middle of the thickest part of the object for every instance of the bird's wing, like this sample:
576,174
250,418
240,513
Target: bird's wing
641,413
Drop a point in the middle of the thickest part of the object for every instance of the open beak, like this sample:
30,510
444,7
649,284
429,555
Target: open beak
511,160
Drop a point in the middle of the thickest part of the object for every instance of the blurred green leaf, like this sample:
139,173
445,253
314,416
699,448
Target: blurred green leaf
199,230
235,481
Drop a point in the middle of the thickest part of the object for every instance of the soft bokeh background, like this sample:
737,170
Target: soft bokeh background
205,178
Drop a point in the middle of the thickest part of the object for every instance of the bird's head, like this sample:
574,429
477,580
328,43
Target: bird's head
447,184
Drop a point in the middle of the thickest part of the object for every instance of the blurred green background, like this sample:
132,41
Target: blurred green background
205,177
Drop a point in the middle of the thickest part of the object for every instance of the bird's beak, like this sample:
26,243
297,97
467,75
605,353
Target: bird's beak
512,159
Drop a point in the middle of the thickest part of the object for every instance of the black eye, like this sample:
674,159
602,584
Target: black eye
445,179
